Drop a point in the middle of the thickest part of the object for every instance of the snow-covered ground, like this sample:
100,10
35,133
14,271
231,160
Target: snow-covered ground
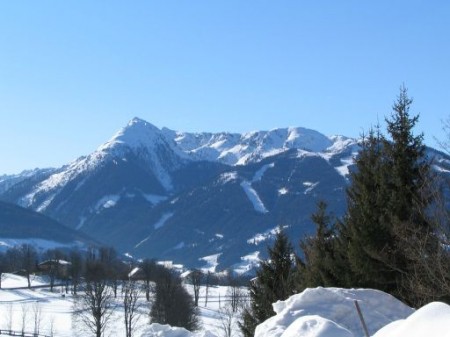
331,312
20,307
316,312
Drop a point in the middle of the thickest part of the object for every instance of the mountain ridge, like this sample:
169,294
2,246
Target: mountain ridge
195,198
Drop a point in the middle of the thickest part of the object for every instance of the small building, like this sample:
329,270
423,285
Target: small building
58,267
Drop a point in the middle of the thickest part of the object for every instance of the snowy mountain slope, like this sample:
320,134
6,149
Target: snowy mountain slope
7,181
186,196
240,149
161,152
219,217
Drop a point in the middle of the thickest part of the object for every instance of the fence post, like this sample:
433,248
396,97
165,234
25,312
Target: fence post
361,318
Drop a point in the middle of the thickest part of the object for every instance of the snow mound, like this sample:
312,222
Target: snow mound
315,326
335,305
430,320
160,330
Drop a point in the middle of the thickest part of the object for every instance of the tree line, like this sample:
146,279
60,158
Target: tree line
394,235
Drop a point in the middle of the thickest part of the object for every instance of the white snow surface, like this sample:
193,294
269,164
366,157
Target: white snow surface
40,244
260,173
161,330
58,310
248,262
154,199
310,186
227,177
318,312
314,326
430,320
107,201
237,149
253,196
336,309
162,221
261,237
283,191
211,263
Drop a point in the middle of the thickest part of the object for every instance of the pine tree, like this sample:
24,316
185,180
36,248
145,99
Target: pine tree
273,282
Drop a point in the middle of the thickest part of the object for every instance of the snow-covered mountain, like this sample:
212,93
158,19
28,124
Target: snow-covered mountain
202,199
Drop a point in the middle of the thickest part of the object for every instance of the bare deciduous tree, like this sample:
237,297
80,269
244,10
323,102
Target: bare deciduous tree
147,270
51,328
207,285
24,317
3,267
76,268
234,293
28,257
131,294
37,317
195,277
9,317
228,321
95,306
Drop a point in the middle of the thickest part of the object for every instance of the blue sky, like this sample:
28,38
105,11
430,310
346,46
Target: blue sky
74,72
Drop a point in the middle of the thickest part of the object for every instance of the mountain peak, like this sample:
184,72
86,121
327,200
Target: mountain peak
138,123
136,133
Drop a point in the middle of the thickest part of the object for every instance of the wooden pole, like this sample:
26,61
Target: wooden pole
361,318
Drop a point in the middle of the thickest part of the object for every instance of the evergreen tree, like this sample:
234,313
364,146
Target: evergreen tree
366,224
386,197
273,282
408,166
320,266
410,197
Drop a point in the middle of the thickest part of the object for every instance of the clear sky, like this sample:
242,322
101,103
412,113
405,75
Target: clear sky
74,72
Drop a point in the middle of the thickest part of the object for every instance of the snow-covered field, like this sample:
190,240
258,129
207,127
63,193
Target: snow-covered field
20,307
316,312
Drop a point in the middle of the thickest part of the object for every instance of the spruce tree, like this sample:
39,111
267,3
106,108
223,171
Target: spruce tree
386,197
320,267
410,197
273,282
408,165
366,223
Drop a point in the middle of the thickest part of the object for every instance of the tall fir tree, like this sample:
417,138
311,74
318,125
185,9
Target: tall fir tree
407,163
410,195
366,223
386,197
321,265
273,282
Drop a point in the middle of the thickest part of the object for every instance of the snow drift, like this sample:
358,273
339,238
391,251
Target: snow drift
430,320
326,312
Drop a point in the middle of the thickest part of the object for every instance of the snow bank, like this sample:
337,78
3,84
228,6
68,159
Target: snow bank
431,320
324,312
159,330
315,326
